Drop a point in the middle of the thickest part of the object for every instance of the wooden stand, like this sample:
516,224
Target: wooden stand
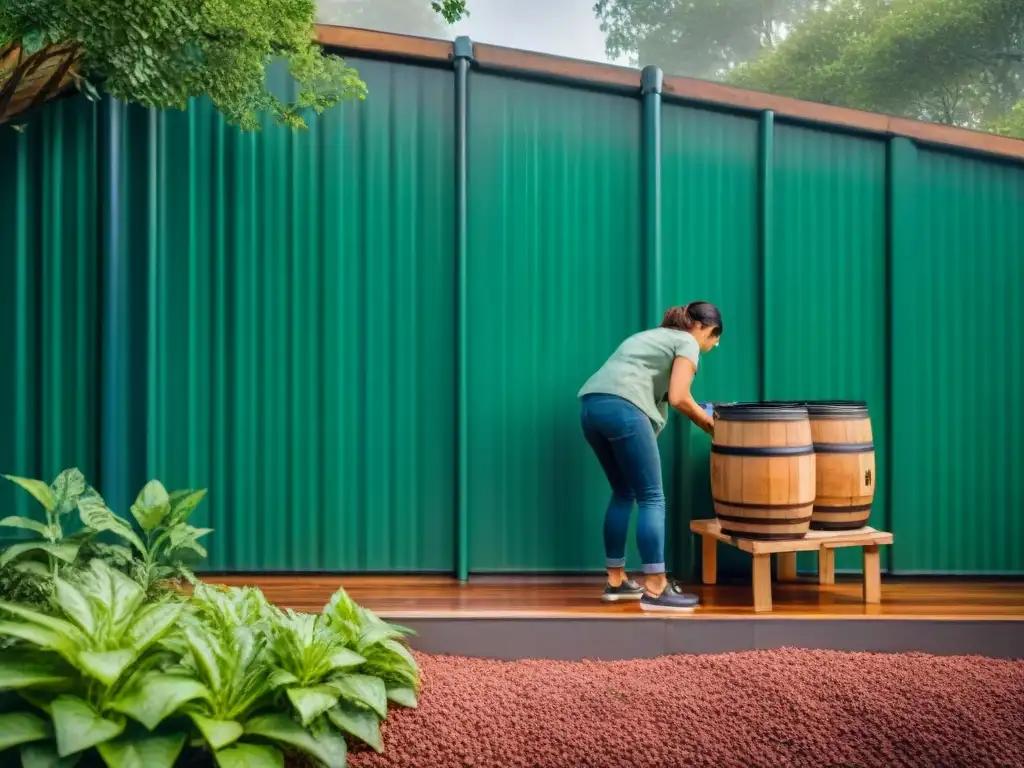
825,543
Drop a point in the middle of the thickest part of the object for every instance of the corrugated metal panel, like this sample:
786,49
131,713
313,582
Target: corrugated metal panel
295,298
825,334
709,205
299,296
958,421
49,296
555,283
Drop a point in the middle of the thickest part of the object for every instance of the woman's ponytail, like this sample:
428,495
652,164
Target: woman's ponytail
684,318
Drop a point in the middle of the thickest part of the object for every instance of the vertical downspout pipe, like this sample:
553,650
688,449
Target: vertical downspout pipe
765,182
651,82
115,340
900,218
462,55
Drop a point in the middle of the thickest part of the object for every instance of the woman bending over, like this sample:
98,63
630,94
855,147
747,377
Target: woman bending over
624,406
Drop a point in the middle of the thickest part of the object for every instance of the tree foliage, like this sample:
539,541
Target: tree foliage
952,61
959,62
161,53
696,38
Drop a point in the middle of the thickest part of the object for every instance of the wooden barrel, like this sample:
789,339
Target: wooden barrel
844,464
762,470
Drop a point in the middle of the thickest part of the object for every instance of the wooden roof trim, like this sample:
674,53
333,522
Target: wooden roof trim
356,41
809,111
555,66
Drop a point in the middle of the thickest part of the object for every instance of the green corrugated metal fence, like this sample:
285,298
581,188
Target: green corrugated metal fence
297,303
49,299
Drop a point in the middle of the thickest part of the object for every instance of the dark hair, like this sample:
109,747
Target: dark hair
685,318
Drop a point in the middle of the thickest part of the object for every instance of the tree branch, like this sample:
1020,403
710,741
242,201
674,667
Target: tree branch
24,68
56,78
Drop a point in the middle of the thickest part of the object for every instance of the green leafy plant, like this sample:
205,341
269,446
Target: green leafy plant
223,675
164,53
166,535
243,718
43,554
91,674
281,681
153,554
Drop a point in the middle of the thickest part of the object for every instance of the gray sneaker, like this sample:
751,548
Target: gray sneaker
627,590
672,599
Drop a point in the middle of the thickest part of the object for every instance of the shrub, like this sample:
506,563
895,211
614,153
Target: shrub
109,669
151,555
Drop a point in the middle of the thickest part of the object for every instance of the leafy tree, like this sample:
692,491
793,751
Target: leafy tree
696,38
164,52
404,17
952,61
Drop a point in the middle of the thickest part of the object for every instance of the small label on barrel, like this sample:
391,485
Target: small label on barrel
867,477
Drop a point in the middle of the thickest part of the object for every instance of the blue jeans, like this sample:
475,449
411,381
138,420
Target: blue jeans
623,439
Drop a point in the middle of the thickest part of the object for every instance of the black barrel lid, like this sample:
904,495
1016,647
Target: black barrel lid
837,409
767,411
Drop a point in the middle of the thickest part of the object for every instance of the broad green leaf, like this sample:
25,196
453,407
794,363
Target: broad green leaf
64,550
34,567
152,506
374,635
25,523
45,639
310,703
145,752
152,698
366,690
44,755
218,733
75,605
106,666
151,623
125,596
67,489
183,504
22,728
326,747
184,536
402,630
40,490
95,514
65,628
358,721
281,678
78,726
401,651
405,697
250,756
20,669
205,657
345,658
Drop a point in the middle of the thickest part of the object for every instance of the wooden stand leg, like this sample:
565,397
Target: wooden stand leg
762,583
872,575
785,566
826,566
709,559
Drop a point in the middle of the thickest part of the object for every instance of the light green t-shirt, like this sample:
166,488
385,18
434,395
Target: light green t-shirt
640,369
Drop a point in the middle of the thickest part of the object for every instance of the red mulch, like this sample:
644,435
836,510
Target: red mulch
763,708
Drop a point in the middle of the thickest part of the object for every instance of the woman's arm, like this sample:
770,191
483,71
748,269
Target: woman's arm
679,396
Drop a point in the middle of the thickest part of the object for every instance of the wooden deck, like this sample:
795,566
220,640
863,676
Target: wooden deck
431,597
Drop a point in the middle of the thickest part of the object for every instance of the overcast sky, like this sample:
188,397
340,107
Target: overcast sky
560,27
